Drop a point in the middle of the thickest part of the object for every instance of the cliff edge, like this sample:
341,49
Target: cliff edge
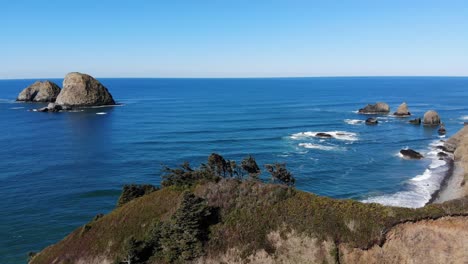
204,216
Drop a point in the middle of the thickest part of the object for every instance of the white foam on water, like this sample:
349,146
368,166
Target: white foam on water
317,146
421,187
15,108
340,135
101,113
353,121
464,118
436,143
399,155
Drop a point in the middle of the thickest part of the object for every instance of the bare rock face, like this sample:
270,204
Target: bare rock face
431,118
428,241
46,91
402,110
83,90
378,108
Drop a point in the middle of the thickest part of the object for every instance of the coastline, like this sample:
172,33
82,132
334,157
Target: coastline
454,185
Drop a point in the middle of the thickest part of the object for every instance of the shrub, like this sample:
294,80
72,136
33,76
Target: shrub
251,167
279,173
132,191
185,176
218,165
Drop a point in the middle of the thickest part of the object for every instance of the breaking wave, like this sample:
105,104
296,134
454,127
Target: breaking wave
420,188
340,135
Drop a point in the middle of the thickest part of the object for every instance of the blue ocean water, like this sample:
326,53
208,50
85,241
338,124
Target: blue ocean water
58,170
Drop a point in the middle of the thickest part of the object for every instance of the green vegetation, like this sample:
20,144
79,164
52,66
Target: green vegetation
251,167
279,173
181,239
218,168
210,210
132,191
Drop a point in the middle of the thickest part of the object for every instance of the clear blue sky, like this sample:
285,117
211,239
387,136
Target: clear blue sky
238,38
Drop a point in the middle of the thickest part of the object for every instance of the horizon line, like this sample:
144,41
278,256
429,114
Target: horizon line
254,77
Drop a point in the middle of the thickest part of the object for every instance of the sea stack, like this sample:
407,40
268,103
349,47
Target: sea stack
378,108
81,90
431,118
46,91
402,110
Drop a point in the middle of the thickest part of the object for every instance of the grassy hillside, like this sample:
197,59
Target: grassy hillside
236,214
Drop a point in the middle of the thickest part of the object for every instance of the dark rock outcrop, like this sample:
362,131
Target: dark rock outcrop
442,130
323,135
442,155
378,108
411,154
446,148
372,121
431,118
416,121
402,110
83,90
53,107
46,91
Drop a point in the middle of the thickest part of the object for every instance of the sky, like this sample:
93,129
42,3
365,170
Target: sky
241,38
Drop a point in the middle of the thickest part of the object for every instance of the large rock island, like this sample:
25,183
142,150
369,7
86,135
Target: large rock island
81,90
45,91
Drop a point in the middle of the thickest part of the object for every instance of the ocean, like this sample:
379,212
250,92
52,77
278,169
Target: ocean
59,170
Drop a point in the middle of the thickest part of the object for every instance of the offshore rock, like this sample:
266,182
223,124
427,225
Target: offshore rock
83,90
402,110
378,108
416,121
46,91
411,154
431,118
323,135
372,121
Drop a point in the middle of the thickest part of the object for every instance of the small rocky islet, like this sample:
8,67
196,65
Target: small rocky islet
45,91
79,90
431,119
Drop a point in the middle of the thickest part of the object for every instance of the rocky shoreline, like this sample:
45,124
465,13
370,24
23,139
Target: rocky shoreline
454,184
